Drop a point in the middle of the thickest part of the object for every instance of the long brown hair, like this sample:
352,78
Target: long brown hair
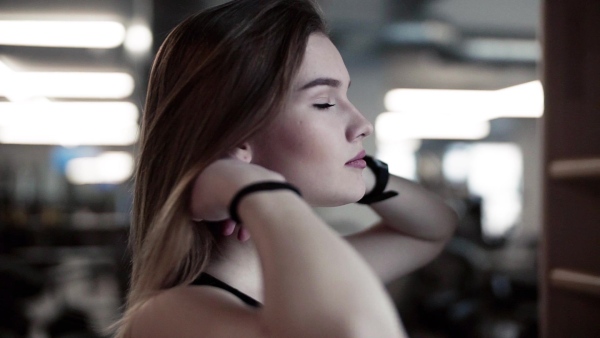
218,79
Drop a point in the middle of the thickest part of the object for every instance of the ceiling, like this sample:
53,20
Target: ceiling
453,44
386,44
357,26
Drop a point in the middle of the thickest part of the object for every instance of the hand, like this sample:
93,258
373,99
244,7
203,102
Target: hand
215,186
228,227
369,178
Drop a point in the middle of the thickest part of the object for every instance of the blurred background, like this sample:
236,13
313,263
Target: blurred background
452,87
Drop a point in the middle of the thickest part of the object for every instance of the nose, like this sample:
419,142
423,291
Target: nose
359,127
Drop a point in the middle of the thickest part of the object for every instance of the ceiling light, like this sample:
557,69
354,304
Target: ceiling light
392,127
524,100
18,86
69,135
494,49
138,39
69,123
110,167
74,34
464,103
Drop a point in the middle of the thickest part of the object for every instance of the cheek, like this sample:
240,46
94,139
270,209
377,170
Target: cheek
308,142
310,155
295,149
294,139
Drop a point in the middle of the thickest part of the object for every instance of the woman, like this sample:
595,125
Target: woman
245,93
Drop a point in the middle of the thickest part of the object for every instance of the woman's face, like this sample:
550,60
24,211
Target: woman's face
312,141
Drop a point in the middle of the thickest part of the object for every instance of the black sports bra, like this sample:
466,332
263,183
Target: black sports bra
206,279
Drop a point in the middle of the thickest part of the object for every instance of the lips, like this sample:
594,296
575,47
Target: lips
358,161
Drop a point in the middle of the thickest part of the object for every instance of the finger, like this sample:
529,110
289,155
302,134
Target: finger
243,234
228,227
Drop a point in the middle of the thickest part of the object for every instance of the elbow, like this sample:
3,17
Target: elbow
439,222
447,221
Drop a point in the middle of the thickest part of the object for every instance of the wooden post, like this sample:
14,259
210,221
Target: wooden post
570,250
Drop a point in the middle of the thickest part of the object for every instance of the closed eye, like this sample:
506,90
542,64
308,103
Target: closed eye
323,106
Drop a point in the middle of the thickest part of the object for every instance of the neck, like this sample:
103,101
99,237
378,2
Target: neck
238,265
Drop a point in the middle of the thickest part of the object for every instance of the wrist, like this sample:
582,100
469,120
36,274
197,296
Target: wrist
254,189
238,175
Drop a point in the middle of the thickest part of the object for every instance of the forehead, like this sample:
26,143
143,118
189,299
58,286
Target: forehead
321,59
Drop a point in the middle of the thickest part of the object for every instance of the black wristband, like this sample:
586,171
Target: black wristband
382,175
254,187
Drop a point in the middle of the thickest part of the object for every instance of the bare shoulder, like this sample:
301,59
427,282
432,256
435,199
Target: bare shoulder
192,311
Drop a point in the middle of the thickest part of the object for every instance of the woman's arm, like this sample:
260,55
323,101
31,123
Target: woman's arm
315,284
414,227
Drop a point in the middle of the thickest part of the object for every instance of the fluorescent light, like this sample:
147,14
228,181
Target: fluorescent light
107,168
50,113
391,127
467,103
423,33
69,135
525,100
503,49
139,39
75,34
69,123
23,85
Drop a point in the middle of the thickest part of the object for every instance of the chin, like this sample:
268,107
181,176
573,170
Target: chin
334,193
340,199
354,196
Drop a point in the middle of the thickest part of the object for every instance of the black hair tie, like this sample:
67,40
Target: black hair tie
254,187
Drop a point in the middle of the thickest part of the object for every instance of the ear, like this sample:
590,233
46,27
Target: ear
242,152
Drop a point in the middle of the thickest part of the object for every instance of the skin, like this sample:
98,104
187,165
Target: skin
308,145
318,132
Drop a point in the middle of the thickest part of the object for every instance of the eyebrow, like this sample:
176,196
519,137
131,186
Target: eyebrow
323,81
